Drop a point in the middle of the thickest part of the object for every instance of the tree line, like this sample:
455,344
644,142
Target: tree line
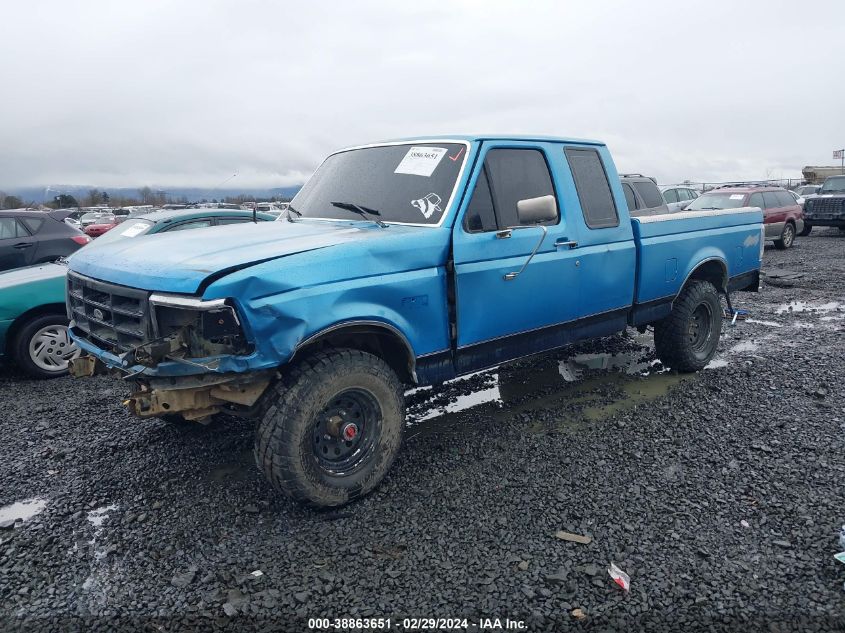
97,197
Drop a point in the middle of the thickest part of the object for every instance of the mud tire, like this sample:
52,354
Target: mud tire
287,443
687,339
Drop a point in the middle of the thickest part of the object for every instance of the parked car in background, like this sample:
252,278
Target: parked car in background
33,320
782,215
95,217
807,190
799,200
179,220
827,207
642,195
103,226
33,237
33,316
273,208
678,197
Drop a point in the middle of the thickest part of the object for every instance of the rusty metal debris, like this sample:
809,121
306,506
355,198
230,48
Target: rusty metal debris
574,538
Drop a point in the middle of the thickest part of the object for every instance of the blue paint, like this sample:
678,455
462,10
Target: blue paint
292,280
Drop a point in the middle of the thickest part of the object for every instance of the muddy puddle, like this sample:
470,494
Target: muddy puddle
563,392
795,307
21,511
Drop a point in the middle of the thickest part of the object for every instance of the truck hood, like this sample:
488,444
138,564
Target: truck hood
182,260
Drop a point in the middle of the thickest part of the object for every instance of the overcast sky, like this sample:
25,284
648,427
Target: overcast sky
188,93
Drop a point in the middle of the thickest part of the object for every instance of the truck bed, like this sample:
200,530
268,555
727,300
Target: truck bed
669,245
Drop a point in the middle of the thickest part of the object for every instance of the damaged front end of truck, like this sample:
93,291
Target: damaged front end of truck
183,355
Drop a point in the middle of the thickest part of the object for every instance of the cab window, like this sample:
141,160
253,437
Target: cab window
508,176
593,187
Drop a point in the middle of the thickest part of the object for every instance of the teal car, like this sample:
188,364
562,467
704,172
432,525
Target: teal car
33,316
33,320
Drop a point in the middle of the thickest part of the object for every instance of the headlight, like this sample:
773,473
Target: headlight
206,328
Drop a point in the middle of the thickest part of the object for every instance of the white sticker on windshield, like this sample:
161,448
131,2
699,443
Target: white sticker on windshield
737,196
421,161
135,229
428,204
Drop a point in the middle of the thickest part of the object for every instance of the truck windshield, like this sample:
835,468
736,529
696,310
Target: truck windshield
716,201
410,183
836,183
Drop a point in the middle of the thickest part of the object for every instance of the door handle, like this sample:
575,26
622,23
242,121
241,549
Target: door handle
23,245
561,242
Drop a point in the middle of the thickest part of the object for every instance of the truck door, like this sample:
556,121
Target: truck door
499,315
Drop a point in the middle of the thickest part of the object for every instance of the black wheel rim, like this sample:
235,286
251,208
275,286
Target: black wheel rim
700,327
345,431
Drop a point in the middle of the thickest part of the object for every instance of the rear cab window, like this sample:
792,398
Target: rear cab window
593,187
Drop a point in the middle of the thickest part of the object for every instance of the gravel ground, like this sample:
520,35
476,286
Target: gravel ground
721,495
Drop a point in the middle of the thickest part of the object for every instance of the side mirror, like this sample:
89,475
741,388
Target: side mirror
531,212
536,210
684,206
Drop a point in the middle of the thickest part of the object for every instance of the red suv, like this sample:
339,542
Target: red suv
783,218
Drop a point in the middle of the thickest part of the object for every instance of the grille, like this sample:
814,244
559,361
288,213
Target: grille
109,316
825,208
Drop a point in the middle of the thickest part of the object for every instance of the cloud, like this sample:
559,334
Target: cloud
189,92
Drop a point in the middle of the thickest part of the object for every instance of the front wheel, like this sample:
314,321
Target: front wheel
332,429
806,230
687,339
42,347
787,237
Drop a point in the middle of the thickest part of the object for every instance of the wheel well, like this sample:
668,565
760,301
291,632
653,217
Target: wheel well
47,308
713,271
387,344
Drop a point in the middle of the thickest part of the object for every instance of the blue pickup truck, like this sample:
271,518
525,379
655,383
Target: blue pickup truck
399,263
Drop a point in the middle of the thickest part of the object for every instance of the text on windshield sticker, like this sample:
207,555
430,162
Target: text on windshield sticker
134,230
421,161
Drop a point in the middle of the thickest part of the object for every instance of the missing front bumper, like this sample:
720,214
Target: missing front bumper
198,397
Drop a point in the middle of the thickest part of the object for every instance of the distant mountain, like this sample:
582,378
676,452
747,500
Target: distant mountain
193,194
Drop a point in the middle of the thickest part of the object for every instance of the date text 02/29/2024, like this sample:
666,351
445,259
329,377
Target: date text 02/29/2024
416,624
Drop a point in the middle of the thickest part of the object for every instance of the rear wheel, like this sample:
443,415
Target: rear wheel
787,237
42,347
687,339
332,429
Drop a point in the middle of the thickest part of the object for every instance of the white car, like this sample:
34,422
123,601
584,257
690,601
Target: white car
677,197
